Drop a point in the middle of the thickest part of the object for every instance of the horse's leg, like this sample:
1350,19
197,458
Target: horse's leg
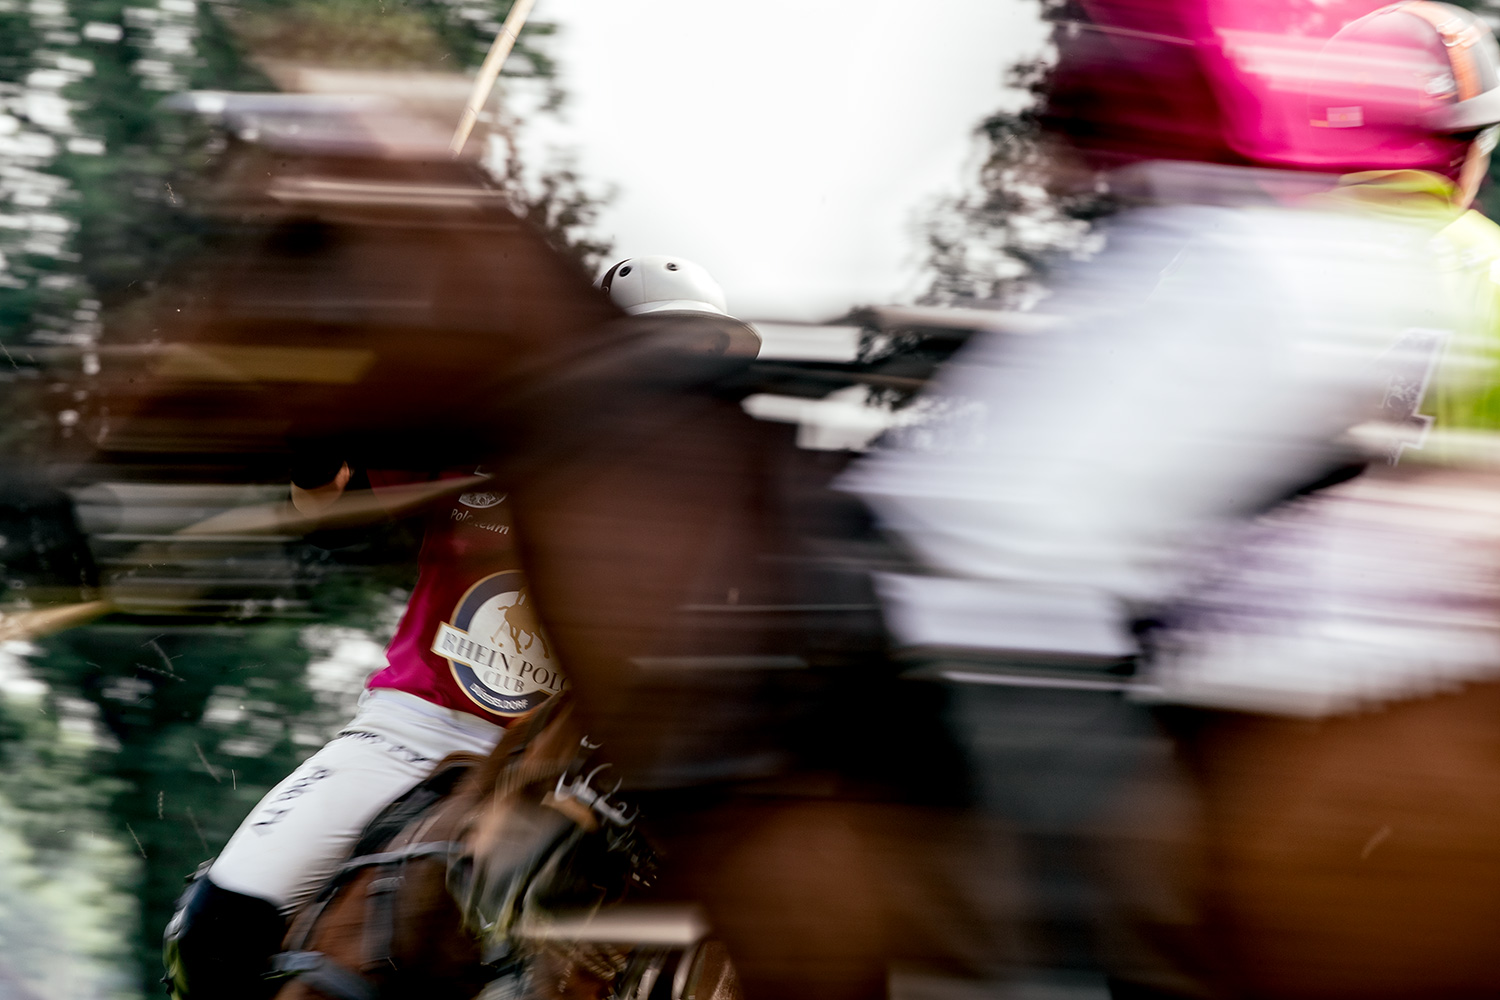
1152,862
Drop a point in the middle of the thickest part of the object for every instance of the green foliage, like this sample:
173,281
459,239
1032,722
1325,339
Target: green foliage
185,727
117,155
561,205
126,205
384,34
111,166
992,244
470,35
65,909
195,724
19,38
342,33
158,737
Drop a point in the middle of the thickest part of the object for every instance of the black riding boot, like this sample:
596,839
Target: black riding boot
219,945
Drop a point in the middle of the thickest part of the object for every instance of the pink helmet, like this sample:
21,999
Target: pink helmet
1130,83
1263,83
1407,86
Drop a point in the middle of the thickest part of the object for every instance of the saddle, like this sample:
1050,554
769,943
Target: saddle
518,831
375,853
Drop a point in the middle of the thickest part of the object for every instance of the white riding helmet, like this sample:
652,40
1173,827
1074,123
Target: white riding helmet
662,284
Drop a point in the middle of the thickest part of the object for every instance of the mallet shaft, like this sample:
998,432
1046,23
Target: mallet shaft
489,72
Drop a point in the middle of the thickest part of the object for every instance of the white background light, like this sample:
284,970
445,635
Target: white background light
788,145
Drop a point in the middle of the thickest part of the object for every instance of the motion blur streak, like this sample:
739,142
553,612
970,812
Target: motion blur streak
1254,471
1155,646
352,279
1217,356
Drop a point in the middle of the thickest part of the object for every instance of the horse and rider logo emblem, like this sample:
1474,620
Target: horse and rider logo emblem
496,649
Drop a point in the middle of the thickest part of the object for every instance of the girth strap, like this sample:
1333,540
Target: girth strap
314,967
380,921
380,895
430,849
325,976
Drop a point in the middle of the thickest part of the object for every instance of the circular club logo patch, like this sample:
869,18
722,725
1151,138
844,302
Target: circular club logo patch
495,647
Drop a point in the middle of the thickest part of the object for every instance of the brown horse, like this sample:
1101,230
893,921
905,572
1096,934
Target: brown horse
439,895
355,288
385,923
390,308
370,297
1358,854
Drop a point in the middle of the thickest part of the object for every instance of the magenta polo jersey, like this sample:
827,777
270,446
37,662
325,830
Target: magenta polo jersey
469,639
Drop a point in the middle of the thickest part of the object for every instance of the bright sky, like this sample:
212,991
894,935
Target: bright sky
786,145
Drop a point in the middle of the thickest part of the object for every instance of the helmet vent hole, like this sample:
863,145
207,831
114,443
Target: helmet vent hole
671,267
624,270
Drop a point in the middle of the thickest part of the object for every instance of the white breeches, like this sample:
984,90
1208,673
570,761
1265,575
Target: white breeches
305,827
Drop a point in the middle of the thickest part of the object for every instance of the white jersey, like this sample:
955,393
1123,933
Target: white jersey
1212,360
1381,588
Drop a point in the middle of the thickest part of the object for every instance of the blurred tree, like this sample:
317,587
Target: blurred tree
558,202
178,729
990,246
65,917
191,725
91,167
1489,195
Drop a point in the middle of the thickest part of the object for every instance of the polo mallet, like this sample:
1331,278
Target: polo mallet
489,72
